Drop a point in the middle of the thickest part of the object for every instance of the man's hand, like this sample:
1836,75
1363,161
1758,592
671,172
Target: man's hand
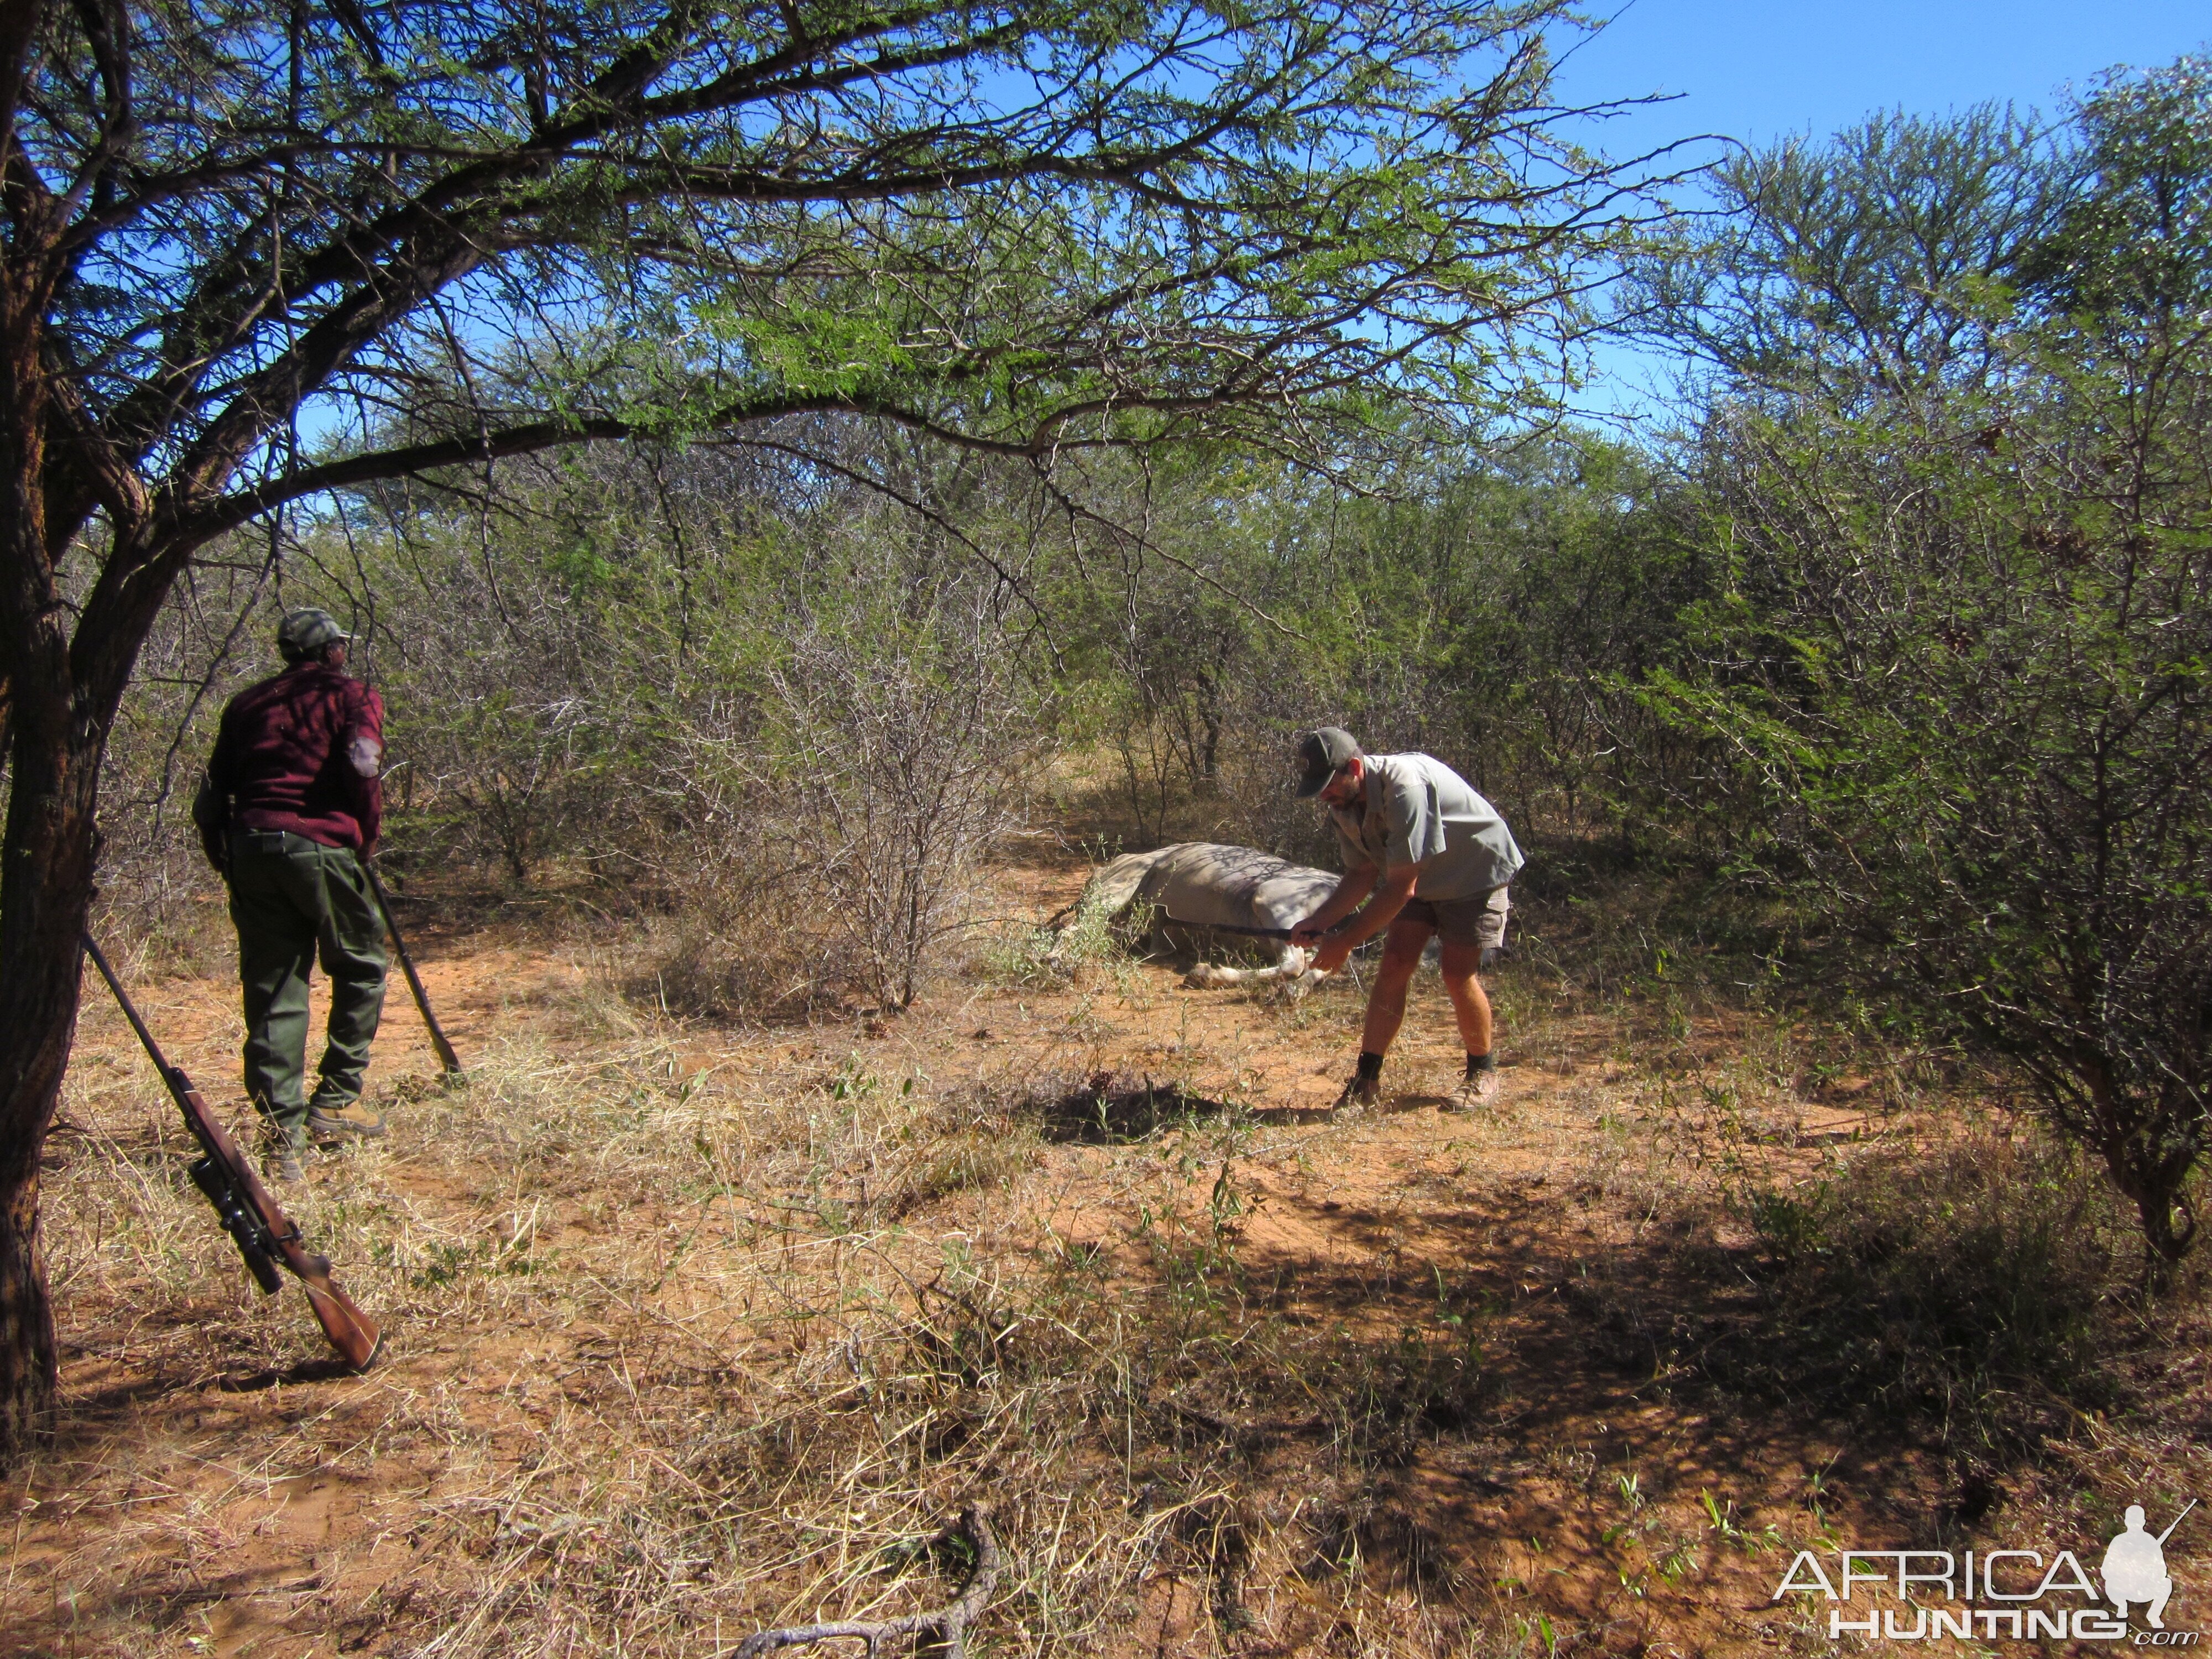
1356,926
1335,951
1351,887
1328,950
211,818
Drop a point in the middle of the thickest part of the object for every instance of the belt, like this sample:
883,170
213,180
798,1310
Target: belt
271,841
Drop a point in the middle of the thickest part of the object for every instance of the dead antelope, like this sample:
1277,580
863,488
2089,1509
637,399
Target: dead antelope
1201,897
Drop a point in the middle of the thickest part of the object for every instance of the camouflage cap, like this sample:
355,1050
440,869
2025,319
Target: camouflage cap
303,633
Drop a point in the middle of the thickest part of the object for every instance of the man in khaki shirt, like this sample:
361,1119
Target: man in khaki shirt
1428,856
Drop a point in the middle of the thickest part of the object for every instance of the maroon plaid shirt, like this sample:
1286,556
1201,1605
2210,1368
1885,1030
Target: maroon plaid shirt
302,752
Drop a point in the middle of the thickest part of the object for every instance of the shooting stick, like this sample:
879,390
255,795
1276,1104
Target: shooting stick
446,1058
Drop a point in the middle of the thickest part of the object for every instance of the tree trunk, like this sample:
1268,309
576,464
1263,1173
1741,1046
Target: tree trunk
1209,719
60,706
35,985
2169,1220
2150,1148
44,893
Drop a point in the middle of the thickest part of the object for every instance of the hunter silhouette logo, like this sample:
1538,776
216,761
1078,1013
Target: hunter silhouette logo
1987,1595
2135,1567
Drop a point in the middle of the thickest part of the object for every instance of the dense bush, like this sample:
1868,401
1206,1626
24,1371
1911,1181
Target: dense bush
1912,631
1961,646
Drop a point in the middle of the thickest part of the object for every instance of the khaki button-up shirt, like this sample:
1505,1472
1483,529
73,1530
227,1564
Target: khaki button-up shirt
1416,809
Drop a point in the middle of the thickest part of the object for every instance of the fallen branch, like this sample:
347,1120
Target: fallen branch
948,1624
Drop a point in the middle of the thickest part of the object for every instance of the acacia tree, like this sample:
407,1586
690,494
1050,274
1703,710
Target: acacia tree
1860,267
1962,639
256,254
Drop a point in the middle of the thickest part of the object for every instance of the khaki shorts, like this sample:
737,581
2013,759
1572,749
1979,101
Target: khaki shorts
1479,922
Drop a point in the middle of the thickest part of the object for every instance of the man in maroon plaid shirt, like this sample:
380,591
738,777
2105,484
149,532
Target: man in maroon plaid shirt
291,803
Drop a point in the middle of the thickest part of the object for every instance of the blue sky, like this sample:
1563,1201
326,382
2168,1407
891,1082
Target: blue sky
1756,72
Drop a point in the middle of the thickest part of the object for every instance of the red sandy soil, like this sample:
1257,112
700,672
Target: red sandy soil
236,1510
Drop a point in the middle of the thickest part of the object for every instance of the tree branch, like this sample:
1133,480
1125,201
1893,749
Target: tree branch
228,513
948,1624
921,509
106,26
19,33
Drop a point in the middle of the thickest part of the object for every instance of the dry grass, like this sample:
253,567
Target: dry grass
695,1331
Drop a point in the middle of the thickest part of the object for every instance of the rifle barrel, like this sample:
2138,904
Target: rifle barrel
1167,920
130,1009
2168,1533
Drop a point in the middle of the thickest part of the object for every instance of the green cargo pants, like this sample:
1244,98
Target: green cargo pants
290,897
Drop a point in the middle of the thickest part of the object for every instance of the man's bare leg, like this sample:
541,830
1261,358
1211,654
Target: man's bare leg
1479,1087
1470,1003
1386,1004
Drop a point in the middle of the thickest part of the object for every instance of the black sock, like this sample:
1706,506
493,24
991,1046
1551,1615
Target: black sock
1481,1063
1370,1066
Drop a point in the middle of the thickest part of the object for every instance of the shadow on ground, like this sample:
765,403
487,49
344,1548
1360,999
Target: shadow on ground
1112,1108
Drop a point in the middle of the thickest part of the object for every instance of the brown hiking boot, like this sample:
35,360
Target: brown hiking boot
1477,1091
333,1126
1359,1094
282,1166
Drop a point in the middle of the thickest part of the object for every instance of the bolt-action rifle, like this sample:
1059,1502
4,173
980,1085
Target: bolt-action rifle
265,1235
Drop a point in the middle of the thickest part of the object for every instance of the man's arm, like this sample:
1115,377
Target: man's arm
211,818
365,763
211,800
1353,885
1379,912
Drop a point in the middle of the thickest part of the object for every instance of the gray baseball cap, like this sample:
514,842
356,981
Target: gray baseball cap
303,633
1322,754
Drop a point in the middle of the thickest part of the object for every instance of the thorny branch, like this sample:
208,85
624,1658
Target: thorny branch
948,1624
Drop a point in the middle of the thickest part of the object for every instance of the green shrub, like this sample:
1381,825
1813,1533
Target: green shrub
1981,1282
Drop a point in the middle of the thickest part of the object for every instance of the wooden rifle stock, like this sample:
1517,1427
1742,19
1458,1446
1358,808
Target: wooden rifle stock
256,1223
